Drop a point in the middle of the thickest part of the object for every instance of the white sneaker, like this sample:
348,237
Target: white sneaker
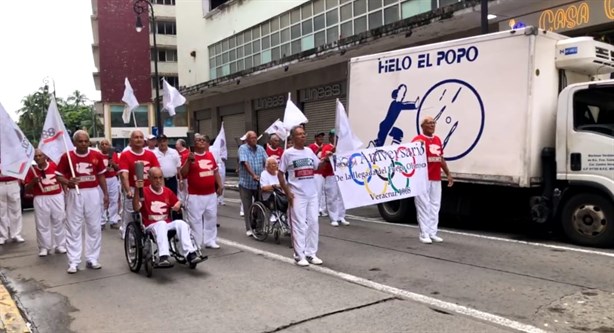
425,240
93,265
273,218
72,270
344,222
18,239
436,239
334,223
303,262
314,260
324,213
248,233
43,253
60,250
241,213
212,246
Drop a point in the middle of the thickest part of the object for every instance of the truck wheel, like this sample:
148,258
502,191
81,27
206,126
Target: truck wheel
396,211
588,219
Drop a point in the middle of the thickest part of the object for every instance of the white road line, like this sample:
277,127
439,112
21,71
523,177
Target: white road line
451,307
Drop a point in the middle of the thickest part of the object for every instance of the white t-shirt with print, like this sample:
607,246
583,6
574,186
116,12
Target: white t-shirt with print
300,165
267,179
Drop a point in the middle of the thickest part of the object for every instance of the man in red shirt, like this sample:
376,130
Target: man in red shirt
10,209
428,204
317,149
127,172
111,162
48,205
334,202
201,172
83,200
158,201
273,148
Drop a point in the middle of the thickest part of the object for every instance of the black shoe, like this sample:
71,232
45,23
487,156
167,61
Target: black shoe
193,258
164,262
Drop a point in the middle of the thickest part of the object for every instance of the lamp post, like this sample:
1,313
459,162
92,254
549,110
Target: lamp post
139,7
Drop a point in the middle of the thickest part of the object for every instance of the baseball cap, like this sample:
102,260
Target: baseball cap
151,137
162,136
319,134
332,132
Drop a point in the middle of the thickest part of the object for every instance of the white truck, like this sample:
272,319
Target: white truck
526,118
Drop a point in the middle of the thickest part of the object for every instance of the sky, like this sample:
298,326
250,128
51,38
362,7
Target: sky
45,39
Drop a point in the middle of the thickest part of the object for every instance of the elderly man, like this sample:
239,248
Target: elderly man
158,201
269,182
170,163
428,204
48,205
301,188
251,163
127,172
151,142
204,182
82,171
10,209
317,146
111,162
273,148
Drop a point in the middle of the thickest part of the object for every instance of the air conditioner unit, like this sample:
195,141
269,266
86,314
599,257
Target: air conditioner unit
585,55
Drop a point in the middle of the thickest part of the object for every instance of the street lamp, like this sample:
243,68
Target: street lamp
139,7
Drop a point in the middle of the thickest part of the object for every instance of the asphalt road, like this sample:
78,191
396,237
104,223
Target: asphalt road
376,277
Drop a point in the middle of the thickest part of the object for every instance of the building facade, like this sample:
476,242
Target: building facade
120,51
239,59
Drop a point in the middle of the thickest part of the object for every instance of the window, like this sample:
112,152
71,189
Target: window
140,113
164,2
594,110
165,55
414,7
166,28
217,3
172,80
180,119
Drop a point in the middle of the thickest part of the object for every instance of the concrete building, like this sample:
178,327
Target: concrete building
120,51
239,59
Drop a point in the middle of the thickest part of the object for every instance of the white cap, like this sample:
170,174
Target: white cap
151,137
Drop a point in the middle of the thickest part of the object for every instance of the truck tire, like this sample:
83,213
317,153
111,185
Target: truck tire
397,211
588,219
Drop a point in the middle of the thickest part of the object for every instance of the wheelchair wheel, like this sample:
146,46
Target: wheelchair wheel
148,256
259,220
133,246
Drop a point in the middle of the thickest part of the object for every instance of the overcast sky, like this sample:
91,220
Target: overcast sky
42,38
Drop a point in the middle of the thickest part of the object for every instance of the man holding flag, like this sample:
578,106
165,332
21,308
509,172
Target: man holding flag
220,151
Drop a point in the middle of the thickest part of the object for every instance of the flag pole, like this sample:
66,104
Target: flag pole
35,175
72,169
134,118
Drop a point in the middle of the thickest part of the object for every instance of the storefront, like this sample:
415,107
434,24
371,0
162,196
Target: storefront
204,122
233,117
319,105
268,109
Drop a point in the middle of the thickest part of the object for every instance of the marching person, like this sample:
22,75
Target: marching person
111,162
170,163
428,204
201,172
10,210
151,142
158,201
334,201
317,146
273,148
48,205
83,201
221,163
127,173
183,151
302,191
251,164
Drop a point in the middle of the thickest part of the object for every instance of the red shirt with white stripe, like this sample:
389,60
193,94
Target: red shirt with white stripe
127,162
87,167
110,171
327,168
48,180
315,149
201,178
277,152
157,205
434,154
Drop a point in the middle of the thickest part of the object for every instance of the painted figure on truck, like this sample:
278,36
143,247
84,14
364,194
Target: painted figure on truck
396,106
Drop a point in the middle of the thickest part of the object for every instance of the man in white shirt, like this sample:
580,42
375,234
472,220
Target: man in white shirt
170,163
151,142
301,163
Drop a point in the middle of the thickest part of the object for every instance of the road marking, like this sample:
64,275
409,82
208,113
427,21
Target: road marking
451,307
468,234
10,317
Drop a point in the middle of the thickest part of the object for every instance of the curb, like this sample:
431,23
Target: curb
11,319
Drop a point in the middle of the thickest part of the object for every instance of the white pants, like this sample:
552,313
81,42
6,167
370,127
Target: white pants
334,202
304,225
202,215
427,207
161,230
10,210
321,196
111,215
83,210
49,215
222,170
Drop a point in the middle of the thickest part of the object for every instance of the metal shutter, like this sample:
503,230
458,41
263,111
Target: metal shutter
321,116
234,126
205,126
266,117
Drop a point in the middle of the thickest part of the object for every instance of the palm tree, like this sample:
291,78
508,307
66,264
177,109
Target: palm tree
32,114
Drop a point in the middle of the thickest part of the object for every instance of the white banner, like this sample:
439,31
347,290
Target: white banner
375,175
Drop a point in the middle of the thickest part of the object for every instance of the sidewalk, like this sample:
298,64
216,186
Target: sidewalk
11,320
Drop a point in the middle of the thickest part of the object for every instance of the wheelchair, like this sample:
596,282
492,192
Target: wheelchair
259,215
141,248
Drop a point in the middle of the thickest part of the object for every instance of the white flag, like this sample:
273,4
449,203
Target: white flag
16,152
293,115
171,98
278,129
130,100
55,140
219,145
346,140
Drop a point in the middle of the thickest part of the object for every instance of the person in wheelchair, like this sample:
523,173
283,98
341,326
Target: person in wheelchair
155,211
270,191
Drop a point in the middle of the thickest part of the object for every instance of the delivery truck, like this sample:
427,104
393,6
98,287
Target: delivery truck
526,118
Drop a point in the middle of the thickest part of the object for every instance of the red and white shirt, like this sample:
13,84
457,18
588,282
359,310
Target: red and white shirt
184,154
277,152
127,162
315,149
110,172
157,205
48,180
434,154
87,167
300,165
327,169
201,178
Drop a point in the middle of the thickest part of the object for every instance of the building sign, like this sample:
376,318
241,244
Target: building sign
269,102
580,14
327,91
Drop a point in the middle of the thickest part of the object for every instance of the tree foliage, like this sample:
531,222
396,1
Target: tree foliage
77,112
